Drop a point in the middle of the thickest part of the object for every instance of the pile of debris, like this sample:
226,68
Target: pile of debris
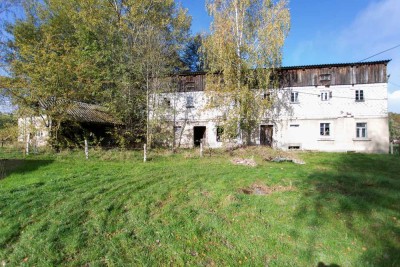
284,159
262,189
246,162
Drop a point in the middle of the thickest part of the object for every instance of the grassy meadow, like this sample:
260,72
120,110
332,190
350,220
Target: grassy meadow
179,209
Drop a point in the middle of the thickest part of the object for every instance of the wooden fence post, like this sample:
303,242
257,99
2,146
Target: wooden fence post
28,139
201,149
391,148
86,149
144,153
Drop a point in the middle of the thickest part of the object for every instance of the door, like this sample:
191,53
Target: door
266,132
199,133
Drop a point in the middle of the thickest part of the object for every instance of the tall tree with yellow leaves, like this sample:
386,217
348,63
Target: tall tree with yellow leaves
242,50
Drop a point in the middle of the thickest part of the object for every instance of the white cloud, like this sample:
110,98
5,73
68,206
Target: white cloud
394,101
374,27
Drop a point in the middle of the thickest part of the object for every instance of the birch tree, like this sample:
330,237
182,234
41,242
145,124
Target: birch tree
242,50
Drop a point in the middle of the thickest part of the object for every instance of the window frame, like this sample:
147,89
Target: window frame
219,133
327,94
294,97
360,134
323,129
189,101
167,102
359,95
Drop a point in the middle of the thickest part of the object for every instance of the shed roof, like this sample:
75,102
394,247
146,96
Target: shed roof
315,66
82,112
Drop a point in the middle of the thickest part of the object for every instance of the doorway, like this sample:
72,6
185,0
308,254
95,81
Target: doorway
199,133
266,132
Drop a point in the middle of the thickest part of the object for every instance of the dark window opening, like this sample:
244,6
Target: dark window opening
267,96
167,102
199,134
220,132
266,134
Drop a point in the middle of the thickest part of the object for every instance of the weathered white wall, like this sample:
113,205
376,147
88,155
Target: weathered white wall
36,129
341,111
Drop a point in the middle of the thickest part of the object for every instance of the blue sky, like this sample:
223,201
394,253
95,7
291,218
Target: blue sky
339,31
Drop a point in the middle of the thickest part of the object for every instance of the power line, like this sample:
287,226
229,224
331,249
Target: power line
394,84
380,52
333,96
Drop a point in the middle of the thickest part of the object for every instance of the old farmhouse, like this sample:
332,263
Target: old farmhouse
81,118
330,107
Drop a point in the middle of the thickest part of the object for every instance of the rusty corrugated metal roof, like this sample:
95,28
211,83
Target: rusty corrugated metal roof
328,65
335,65
82,112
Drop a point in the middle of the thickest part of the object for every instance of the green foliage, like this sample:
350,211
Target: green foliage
8,128
394,126
243,47
97,51
113,209
193,57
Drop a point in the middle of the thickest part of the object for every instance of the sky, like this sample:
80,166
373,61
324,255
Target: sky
339,31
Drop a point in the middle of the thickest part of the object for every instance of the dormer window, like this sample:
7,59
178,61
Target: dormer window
325,77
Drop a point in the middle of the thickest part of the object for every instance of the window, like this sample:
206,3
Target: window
359,95
167,102
220,132
294,97
361,130
325,77
189,102
177,129
326,95
294,125
324,129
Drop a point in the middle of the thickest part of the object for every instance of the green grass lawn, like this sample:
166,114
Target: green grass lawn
115,210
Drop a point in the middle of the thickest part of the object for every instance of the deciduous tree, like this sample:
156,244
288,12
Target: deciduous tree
242,50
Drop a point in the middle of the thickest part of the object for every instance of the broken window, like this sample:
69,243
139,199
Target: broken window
324,129
267,96
167,102
220,132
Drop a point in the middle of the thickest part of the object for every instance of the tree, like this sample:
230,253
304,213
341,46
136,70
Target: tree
193,57
98,51
394,126
242,50
8,128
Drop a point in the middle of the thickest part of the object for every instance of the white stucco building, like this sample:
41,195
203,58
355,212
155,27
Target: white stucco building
331,107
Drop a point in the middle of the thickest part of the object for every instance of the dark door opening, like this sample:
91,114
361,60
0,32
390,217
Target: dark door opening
199,133
266,132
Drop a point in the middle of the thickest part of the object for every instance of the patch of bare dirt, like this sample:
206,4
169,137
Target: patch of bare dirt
262,189
246,162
